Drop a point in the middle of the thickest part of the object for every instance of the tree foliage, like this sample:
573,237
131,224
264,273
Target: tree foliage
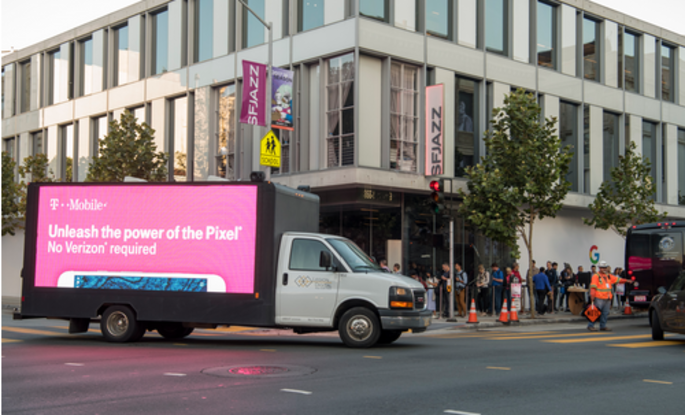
522,177
128,149
11,194
627,199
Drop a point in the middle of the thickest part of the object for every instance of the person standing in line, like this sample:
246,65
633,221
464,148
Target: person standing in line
552,277
600,293
497,285
482,284
522,281
444,282
396,269
567,281
542,287
516,287
460,281
432,284
508,274
384,265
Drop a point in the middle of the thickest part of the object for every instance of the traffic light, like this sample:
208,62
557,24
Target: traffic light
437,198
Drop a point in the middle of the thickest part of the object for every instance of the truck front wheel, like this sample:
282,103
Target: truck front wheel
359,328
174,331
119,325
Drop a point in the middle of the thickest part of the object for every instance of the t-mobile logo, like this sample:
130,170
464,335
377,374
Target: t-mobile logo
54,203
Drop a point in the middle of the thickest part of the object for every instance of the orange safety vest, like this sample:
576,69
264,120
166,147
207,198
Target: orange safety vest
601,285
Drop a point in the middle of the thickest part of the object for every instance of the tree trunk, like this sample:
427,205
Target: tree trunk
531,288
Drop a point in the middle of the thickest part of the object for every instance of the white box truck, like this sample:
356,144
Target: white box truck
173,257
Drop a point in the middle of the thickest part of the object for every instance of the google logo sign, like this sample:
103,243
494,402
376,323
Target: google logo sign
594,256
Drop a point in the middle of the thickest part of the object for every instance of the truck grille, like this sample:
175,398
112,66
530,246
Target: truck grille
419,299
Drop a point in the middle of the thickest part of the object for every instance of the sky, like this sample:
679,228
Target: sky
25,22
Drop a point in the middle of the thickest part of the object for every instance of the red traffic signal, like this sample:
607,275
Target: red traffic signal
437,197
436,186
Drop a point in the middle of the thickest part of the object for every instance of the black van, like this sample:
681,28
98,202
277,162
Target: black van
654,258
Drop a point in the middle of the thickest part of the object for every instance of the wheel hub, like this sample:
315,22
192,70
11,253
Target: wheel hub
360,328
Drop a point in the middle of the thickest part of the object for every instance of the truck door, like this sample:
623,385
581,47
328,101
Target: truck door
306,293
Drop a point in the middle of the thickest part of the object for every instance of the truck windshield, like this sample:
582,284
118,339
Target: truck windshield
355,257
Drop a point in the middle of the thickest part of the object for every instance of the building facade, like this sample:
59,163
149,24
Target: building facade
361,69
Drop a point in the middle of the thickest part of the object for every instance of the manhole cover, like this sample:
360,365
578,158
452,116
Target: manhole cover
259,371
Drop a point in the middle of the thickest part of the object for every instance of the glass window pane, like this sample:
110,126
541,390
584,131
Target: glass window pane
25,86
591,49
87,67
610,148
305,255
649,147
349,95
311,14
495,25
56,87
68,152
465,149
546,31
681,167
226,144
121,55
373,8
348,121
568,134
254,29
438,18
630,61
161,42
586,149
204,30
667,74
180,139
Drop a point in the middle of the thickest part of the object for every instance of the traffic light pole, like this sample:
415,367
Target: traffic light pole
454,291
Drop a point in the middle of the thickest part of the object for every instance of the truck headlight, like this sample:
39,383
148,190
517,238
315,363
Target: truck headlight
401,298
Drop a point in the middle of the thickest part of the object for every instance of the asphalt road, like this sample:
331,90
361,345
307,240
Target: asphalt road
547,369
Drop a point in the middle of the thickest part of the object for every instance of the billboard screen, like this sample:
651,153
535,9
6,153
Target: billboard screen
151,238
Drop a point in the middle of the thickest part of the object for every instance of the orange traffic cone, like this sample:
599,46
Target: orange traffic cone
504,314
628,311
513,314
473,316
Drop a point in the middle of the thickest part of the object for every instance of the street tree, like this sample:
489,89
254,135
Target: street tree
521,179
11,193
128,149
626,199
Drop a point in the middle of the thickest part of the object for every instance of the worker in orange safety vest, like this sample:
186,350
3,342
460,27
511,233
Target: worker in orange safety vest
600,292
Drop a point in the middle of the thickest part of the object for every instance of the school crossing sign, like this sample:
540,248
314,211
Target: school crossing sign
270,151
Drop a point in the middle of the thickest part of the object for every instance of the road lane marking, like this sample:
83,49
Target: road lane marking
648,344
599,339
547,336
296,391
661,382
4,340
485,335
373,357
267,350
498,368
74,364
89,330
31,331
233,329
452,411
175,374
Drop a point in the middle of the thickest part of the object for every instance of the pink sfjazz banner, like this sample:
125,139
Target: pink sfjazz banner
152,230
434,130
253,105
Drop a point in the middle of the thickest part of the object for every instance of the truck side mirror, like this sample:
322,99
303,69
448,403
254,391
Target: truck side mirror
661,290
325,260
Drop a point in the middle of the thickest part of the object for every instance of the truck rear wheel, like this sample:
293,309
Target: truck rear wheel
174,331
389,336
119,325
359,328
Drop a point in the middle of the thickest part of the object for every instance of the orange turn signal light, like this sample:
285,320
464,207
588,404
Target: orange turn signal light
401,304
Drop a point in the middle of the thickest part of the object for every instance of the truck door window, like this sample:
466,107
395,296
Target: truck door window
353,255
305,255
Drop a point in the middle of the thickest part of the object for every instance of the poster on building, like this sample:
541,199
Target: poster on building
253,105
282,99
434,130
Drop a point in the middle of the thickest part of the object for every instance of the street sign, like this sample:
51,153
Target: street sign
270,151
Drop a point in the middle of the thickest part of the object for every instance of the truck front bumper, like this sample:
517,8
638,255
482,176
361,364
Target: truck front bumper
418,321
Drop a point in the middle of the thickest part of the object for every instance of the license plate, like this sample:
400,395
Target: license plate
640,298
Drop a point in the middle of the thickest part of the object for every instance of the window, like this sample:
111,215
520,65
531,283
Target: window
25,71
591,52
160,42
681,166
628,61
121,55
178,136
3,93
9,145
546,31
311,14
254,29
496,26
56,73
649,147
284,137
376,9
403,117
568,134
611,137
226,143
465,151
305,255
586,149
67,152
85,67
438,18
667,61
340,111
204,30
37,143
100,130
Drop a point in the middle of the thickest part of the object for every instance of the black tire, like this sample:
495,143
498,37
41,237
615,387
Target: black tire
174,331
389,336
359,328
657,332
119,325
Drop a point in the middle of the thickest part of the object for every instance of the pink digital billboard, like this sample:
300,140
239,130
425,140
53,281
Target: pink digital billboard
172,238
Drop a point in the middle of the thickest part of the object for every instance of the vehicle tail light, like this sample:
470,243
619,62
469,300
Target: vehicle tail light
631,273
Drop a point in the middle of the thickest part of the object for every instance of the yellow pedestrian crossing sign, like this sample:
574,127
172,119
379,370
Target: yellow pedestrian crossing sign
270,151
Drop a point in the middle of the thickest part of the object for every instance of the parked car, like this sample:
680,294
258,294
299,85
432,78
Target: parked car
667,309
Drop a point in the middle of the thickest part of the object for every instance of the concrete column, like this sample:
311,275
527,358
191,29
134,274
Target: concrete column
568,40
466,26
521,32
596,148
221,25
648,68
636,132
370,109
671,160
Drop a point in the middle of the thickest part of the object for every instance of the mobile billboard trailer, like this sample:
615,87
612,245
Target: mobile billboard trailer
175,256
